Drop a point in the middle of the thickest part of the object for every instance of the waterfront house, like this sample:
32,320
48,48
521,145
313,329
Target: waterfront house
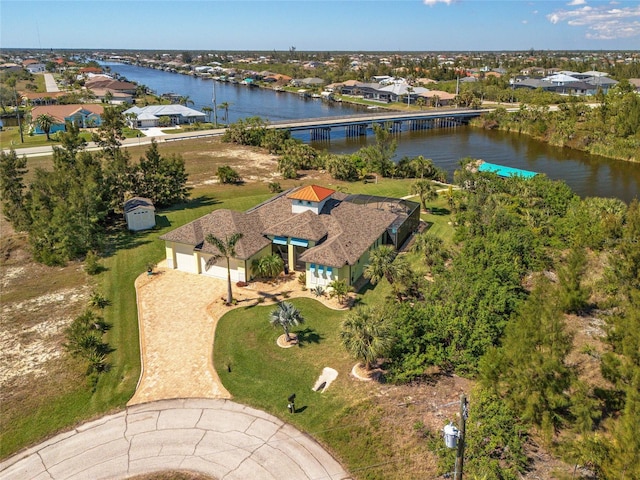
100,81
326,234
84,116
148,117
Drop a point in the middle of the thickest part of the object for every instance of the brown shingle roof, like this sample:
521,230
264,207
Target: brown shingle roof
221,224
306,225
350,229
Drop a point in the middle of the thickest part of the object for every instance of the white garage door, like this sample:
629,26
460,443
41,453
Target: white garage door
186,261
219,270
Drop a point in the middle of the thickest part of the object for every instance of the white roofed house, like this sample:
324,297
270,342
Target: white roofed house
146,117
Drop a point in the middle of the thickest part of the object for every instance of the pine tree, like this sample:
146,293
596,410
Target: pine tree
12,169
529,370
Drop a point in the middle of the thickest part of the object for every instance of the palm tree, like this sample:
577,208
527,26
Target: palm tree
186,100
225,106
432,247
425,190
207,111
423,165
381,265
45,122
340,289
366,335
268,266
286,316
227,249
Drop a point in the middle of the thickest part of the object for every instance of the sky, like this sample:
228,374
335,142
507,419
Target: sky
330,25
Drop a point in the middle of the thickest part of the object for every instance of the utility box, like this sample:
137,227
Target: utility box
451,436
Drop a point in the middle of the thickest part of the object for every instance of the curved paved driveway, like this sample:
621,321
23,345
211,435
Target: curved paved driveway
216,437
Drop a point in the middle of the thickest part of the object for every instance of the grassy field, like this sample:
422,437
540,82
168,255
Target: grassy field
345,418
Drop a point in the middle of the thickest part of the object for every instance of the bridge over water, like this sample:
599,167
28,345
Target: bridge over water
356,125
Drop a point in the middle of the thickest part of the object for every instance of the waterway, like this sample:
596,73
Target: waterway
586,174
243,101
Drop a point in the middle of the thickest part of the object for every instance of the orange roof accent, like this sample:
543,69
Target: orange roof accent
313,193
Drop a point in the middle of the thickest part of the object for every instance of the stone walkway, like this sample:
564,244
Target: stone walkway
219,438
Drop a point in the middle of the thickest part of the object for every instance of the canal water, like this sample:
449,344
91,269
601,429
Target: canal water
586,174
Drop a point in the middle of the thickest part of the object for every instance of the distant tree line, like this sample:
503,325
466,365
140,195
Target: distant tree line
611,129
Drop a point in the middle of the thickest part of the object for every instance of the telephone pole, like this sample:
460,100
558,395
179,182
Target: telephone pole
461,438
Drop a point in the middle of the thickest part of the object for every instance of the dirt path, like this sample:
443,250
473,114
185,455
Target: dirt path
177,315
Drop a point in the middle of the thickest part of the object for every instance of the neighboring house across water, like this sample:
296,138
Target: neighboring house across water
85,116
147,117
326,234
139,213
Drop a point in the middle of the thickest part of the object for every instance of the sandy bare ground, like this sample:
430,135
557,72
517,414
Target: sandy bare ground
177,315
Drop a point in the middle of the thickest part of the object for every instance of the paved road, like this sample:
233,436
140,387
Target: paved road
219,438
50,83
91,146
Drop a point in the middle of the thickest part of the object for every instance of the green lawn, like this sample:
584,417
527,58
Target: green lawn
263,375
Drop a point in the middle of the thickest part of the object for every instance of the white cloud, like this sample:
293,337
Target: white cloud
602,22
525,21
577,2
431,3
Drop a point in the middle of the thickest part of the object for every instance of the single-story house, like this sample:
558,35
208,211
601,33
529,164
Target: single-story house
83,115
115,85
139,213
443,98
41,98
317,230
101,94
147,117
36,68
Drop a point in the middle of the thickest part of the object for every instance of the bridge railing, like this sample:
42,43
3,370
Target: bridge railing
377,114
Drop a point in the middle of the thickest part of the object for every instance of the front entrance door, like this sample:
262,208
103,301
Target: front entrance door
297,251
